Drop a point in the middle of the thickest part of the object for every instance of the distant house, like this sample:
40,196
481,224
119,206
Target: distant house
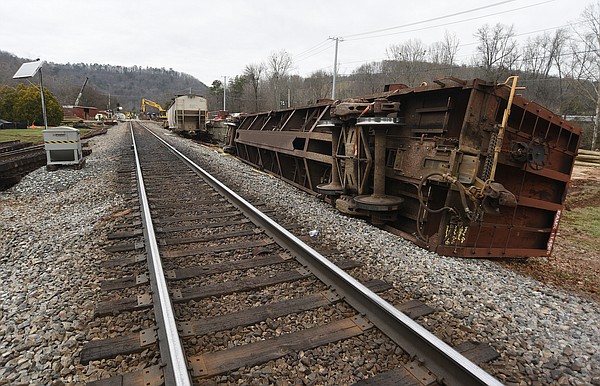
5,124
11,125
82,112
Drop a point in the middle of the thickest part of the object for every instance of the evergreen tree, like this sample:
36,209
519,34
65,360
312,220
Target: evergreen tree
7,101
28,106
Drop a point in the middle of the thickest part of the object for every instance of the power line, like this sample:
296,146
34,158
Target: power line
445,67
458,56
428,20
453,22
311,51
530,32
453,66
317,46
299,58
316,53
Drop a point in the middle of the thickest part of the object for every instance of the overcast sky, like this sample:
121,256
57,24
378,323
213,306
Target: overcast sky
213,39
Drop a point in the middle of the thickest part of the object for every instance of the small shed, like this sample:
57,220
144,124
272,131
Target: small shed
83,112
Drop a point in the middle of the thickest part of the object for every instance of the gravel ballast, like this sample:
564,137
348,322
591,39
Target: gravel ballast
51,238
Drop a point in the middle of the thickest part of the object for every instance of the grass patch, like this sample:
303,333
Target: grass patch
584,224
27,135
24,135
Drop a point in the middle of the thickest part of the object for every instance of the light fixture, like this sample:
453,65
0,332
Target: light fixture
28,70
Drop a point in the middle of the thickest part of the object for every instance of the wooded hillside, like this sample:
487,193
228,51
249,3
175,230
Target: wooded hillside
117,85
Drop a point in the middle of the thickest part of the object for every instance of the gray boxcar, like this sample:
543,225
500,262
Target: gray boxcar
187,115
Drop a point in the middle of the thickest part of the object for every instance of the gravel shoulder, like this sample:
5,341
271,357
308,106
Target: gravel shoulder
50,247
51,238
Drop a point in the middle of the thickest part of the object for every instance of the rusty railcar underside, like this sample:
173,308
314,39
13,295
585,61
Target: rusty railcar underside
463,168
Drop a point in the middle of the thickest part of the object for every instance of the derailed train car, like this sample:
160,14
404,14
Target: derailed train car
187,115
463,168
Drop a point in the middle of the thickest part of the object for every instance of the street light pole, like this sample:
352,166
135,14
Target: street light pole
43,101
28,70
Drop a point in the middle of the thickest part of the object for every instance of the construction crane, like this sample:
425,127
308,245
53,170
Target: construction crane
80,92
162,114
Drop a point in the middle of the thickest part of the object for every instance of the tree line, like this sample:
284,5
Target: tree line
23,104
560,70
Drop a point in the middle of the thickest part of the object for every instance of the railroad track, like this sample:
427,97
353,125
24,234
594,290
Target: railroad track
12,145
19,158
220,292
18,161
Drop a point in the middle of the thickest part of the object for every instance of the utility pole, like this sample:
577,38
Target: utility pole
225,93
337,40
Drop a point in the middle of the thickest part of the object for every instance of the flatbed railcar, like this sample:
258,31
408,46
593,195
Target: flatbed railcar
463,168
187,115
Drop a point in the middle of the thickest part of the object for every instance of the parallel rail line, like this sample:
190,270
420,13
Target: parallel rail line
18,158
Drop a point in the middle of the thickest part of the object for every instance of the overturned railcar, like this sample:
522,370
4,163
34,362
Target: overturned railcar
463,168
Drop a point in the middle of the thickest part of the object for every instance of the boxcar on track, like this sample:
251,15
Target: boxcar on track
187,115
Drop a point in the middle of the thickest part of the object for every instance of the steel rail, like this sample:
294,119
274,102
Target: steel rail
176,370
450,367
21,151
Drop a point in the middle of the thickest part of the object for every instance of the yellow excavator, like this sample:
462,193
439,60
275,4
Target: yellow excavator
162,114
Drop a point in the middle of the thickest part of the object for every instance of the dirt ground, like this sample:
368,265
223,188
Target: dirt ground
575,262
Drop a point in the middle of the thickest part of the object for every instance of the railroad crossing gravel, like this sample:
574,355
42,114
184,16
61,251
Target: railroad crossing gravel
51,238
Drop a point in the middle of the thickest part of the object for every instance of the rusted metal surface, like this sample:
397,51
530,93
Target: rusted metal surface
468,175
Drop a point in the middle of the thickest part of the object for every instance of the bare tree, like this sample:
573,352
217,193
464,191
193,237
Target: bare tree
411,51
406,60
542,63
586,59
317,86
278,66
253,73
451,43
542,53
368,78
444,52
559,42
497,50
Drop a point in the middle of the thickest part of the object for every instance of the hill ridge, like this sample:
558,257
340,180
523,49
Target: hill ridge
108,85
